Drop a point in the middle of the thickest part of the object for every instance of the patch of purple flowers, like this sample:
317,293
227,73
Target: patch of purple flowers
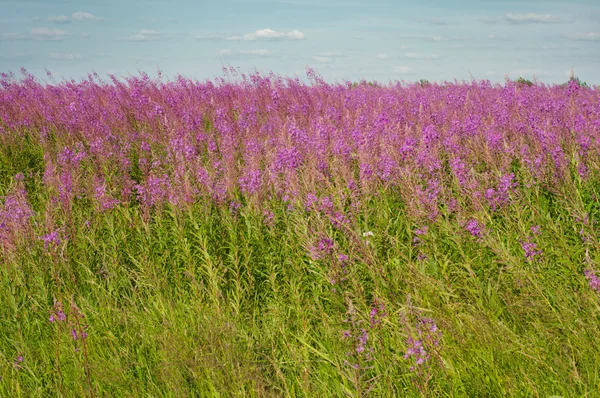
593,279
531,250
51,239
420,346
474,228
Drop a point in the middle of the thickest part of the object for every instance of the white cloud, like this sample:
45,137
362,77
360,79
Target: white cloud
332,54
252,53
490,73
403,70
12,36
381,56
79,16
60,19
65,56
584,36
531,18
413,55
85,16
145,35
447,38
269,34
47,34
261,34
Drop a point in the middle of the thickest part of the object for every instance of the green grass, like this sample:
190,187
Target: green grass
200,302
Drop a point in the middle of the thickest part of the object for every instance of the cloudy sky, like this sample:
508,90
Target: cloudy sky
343,39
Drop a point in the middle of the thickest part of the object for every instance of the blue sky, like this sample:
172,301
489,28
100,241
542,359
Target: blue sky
343,39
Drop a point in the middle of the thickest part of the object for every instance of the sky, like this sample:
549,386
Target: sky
344,40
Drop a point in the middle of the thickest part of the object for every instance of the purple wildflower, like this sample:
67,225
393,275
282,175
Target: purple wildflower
377,313
419,347
51,239
474,228
234,207
18,364
593,279
362,341
338,220
323,248
531,250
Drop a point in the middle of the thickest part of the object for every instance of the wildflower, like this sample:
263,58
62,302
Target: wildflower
474,228
420,345
311,199
324,248
421,231
51,238
234,207
362,341
415,348
593,279
531,250
339,220
269,216
326,204
18,362
367,234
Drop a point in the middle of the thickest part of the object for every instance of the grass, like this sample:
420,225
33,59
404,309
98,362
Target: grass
203,302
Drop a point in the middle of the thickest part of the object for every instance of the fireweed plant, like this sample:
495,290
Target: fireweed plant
255,235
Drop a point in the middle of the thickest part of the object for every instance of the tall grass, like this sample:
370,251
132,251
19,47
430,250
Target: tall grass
269,238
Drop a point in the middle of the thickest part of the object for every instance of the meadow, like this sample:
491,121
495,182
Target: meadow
257,235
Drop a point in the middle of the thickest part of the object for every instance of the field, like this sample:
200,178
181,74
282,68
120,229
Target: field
259,236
